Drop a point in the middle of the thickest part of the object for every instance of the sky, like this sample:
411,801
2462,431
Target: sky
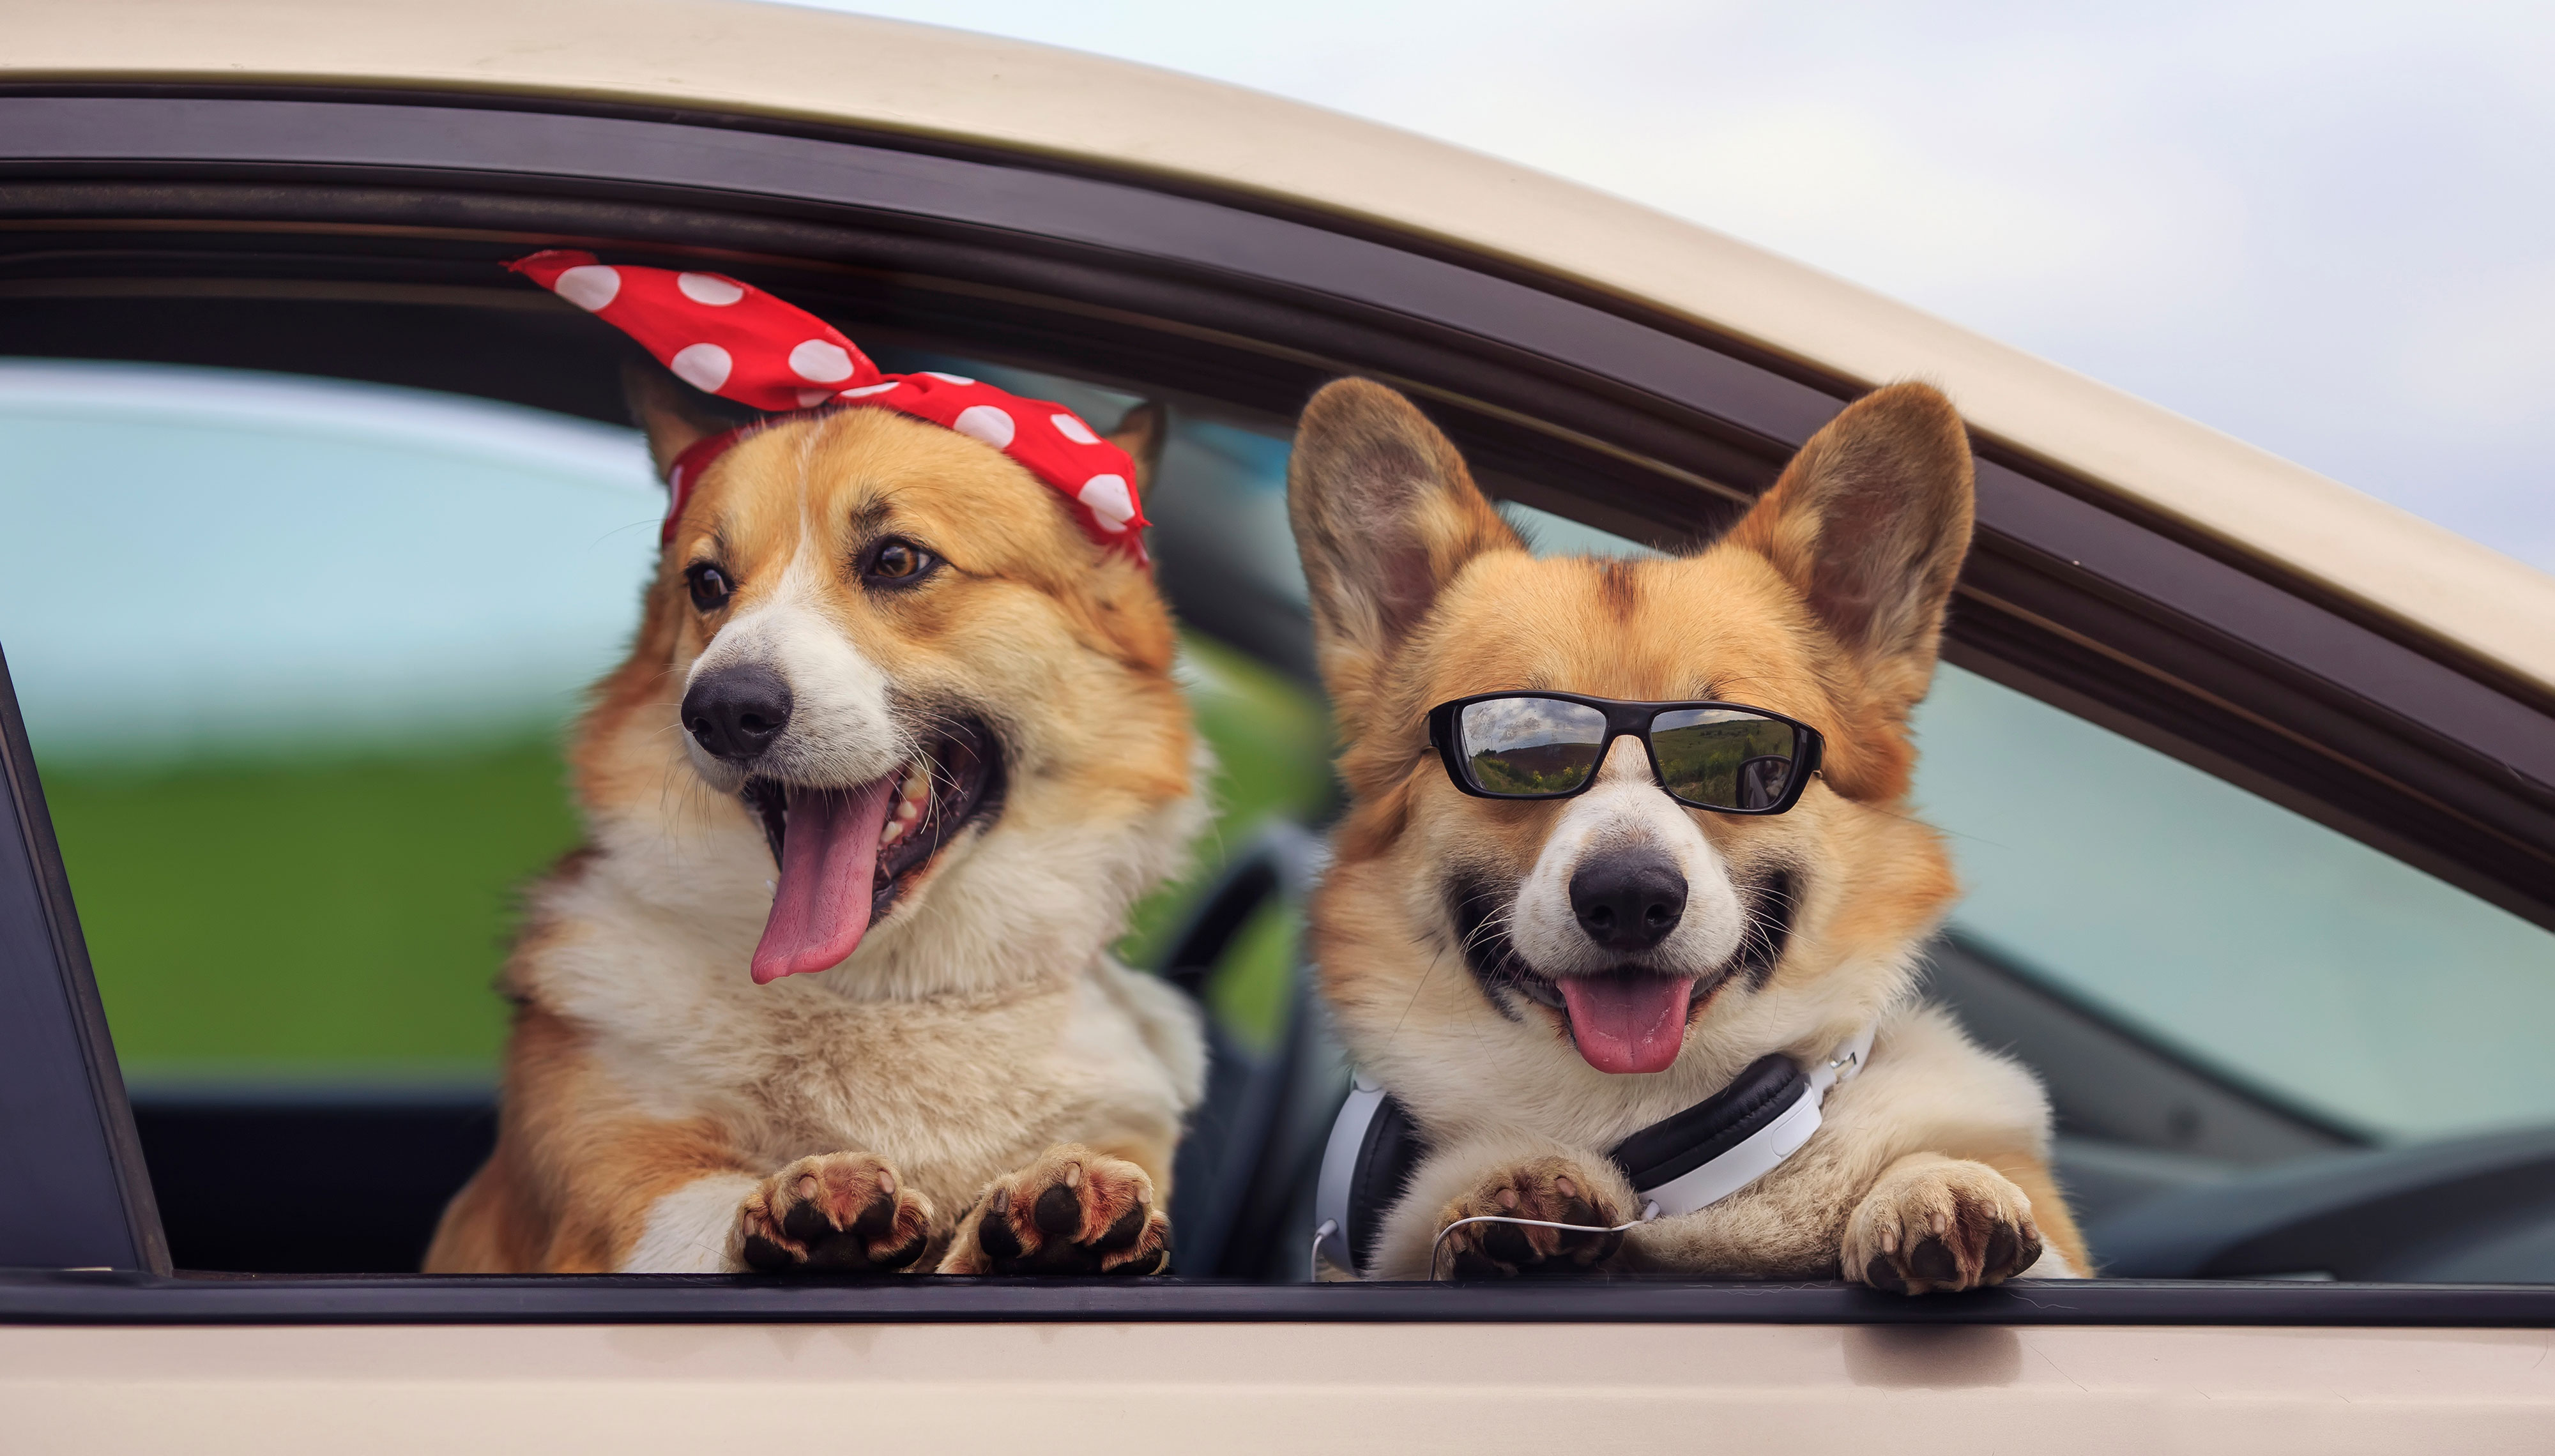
2327,228
322,565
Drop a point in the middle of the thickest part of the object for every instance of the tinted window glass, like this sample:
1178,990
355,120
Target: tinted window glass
2250,936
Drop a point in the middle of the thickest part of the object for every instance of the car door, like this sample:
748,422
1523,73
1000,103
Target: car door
2118,671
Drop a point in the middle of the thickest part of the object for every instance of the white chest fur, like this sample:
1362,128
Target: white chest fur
952,1089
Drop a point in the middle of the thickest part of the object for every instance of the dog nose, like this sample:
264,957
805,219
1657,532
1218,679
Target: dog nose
735,712
1629,900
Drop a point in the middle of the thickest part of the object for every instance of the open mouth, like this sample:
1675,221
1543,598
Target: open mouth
1621,1020
846,854
1627,1020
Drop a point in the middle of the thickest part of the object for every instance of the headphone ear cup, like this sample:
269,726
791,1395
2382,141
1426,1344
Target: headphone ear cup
1676,1146
1387,1156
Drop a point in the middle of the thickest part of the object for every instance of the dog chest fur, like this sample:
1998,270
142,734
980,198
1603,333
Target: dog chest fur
956,1086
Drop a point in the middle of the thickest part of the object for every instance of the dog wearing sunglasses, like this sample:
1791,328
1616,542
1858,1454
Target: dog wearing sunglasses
1623,831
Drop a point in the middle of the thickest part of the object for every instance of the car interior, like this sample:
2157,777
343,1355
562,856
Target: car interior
338,522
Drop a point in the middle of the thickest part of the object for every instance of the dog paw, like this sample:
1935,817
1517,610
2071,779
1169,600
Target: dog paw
1934,1224
1553,1189
1072,1212
837,1213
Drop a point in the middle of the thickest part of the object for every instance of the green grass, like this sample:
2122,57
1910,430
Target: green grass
348,918
264,917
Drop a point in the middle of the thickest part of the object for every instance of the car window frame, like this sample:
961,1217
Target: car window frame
1667,431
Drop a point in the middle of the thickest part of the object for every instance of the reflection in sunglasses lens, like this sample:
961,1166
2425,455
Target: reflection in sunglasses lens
1531,745
1722,758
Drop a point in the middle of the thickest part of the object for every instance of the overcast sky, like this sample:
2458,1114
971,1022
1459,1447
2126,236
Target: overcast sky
2326,227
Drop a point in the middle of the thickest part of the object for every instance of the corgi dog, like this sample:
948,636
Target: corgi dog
1554,923
829,988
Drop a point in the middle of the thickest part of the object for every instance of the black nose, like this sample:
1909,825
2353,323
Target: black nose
1629,899
736,712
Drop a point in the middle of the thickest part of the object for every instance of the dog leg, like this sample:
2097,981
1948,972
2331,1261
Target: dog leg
1552,1190
1511,1177
1935,1223
1074,1211
838,1213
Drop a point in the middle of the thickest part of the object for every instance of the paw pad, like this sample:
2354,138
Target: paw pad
1941,1225
837,1213
1546,1189
1072,1212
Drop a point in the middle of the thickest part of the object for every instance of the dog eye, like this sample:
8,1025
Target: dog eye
898,562
710,587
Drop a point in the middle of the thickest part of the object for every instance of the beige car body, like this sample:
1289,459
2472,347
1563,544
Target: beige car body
1274,1386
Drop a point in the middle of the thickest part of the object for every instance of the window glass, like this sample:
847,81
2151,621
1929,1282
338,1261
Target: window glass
2250,936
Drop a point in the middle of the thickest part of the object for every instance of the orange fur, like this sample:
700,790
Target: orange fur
1825,604
980,1023
2030,1173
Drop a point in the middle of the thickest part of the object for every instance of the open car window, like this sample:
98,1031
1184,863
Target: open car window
301,737
370,554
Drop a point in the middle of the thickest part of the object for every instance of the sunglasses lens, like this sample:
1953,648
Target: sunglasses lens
1530,746
1723,758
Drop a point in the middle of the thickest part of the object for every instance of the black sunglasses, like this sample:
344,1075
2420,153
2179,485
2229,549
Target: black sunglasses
1723,757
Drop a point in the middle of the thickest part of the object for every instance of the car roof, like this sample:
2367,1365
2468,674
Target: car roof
1087,111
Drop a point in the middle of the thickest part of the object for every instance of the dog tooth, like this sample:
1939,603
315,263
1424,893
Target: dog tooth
895,829
908,810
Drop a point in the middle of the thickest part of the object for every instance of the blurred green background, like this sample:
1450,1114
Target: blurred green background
347,918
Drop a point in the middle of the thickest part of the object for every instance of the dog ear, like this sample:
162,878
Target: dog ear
1141,432
1870,524
1385,515
672,423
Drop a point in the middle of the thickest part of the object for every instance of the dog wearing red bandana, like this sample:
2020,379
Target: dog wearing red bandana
828,988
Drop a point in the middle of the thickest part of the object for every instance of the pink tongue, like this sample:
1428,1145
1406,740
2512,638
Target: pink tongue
828,859
1628,1024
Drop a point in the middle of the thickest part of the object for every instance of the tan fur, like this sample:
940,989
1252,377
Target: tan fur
658,1106
1825,604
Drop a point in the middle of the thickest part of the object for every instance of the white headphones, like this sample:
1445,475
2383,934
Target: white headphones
1686,1161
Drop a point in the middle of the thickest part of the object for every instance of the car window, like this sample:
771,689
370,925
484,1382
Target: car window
300,655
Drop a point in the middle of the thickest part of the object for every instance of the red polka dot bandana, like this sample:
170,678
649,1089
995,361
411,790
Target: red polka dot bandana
734,341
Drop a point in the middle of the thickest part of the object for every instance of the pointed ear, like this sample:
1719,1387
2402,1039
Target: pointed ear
1141,432
1870,524
1385,515
672,423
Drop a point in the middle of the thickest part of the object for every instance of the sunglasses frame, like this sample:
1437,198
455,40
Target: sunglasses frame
1623,719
